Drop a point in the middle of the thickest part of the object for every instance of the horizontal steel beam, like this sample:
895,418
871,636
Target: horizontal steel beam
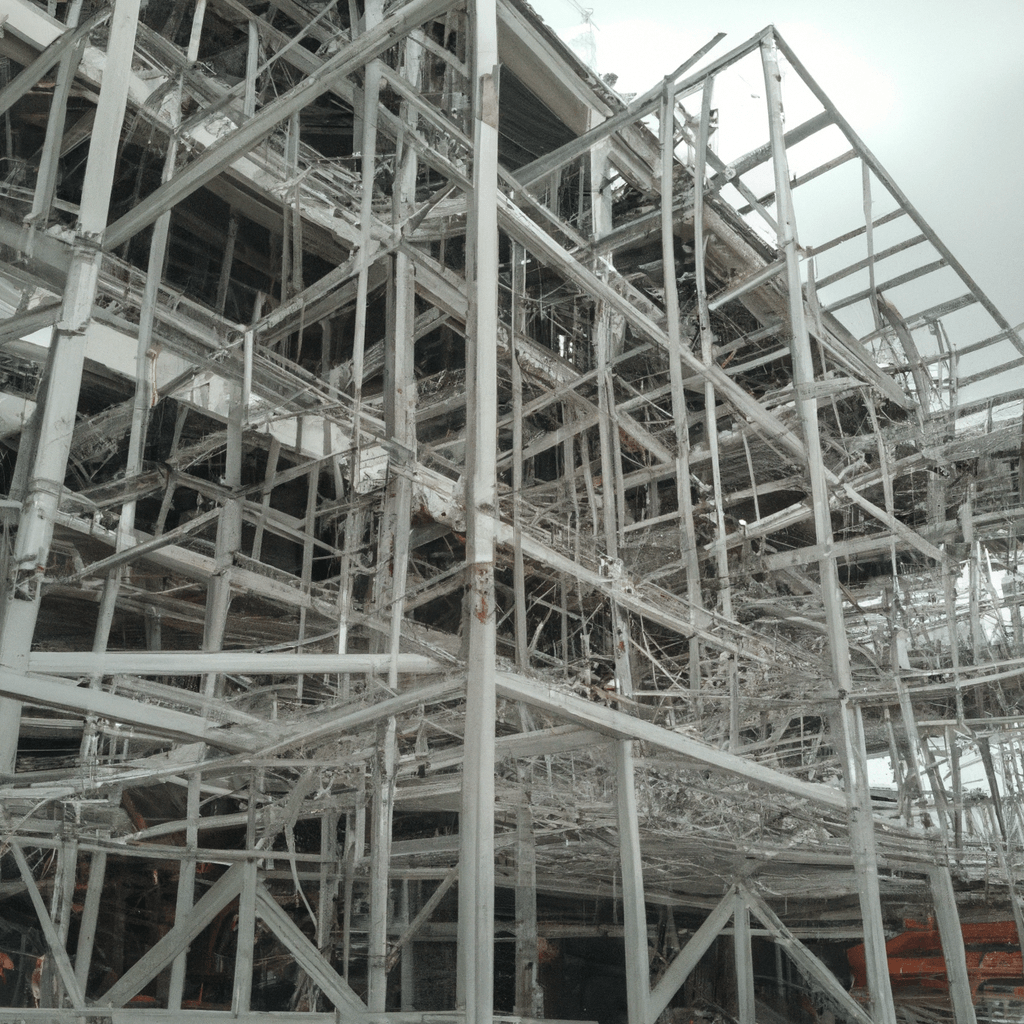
193,663
158,721
72,1015
556,701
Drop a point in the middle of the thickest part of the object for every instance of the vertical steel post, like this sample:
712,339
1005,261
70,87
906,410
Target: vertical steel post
528,998
612,513
393,549
707,340
948,920
90,916
744,960
241,990
518,564
407,965
60,910
46,179
684,499
56,424
186,889
862,838
229,539
476,822
368,151
380,865
327,906
400,385
634,909
140,421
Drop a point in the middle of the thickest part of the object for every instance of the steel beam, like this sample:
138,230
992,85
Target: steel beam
689,956
555,701
17,688
217,897
851,749
952,936
54,943
744,959
63,45
307,956
634,909
188,663
475,979
895,191
806,961
235,144
67,356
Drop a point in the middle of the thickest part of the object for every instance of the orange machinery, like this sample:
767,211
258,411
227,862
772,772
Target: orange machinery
994,963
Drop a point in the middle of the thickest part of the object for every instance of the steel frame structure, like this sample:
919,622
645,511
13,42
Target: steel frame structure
545,480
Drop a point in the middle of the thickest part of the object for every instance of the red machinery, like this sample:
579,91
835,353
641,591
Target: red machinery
994,963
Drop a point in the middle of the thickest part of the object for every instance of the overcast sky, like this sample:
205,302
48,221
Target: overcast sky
934,87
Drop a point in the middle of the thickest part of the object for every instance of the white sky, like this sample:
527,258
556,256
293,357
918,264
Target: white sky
934,87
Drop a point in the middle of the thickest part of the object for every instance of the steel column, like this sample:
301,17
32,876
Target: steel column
862,839
57,421
476,822
634,911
